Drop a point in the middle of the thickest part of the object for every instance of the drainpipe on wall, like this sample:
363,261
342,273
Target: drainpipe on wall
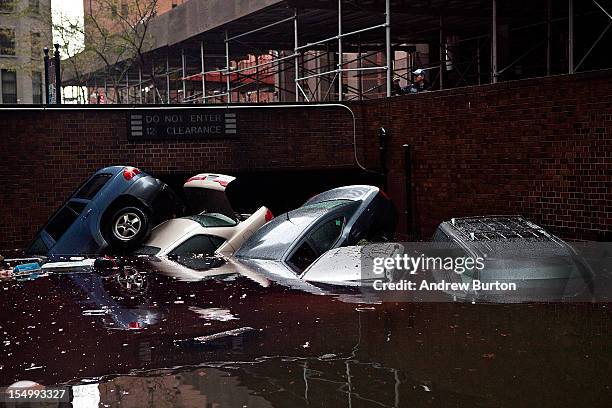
382,148
408,188
46,61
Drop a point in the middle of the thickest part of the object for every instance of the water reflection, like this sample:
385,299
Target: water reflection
441,355
228,340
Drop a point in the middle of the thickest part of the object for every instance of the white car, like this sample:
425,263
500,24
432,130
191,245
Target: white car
214,229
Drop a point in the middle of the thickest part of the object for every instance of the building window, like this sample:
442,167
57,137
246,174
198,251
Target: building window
7,41
36,50
34,6
9,86
37,94
7,6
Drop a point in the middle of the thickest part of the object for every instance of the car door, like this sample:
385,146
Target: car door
71,227
69,230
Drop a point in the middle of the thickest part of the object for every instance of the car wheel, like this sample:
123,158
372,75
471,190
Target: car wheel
128,227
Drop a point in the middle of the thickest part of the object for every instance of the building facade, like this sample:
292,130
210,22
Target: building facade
25,29
123,8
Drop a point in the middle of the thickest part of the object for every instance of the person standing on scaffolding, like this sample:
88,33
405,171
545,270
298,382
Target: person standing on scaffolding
397,89
419,83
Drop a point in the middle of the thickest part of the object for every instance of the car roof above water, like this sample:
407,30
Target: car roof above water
495,228
352,193
497,235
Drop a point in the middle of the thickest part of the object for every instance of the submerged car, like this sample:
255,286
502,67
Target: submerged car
344,216
514,251
116,207
215,229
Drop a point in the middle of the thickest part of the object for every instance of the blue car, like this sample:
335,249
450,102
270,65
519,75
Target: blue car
116,208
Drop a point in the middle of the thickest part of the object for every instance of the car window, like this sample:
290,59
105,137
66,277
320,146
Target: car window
91,188
64,218
200,244
318,242
324,237
302,257
213,220
275,238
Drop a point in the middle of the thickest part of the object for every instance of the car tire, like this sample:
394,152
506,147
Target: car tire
128,227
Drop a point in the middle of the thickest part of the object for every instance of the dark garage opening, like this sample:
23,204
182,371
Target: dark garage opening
280,191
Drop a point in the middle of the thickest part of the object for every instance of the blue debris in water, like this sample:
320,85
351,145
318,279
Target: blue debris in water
29,271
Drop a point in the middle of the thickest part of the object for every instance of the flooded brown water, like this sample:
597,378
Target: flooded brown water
230,342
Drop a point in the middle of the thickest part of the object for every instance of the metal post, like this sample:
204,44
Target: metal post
296,61
167,79
359,73
140,85
442,54
388,47
154,83
478,61
383,140
105,90
58,75
203,72
96,92
227,70
257,74
340,50
408,188
494,43
570,36
46,60
127,86
548,36
184,73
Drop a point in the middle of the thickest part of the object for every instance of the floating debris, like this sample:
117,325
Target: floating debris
33,367
97,312
214,313
216,336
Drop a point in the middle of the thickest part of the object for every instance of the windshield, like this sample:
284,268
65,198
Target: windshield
275,238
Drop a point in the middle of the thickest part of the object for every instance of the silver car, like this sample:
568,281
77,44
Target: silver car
291,242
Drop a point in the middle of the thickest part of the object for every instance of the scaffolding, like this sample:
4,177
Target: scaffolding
229,68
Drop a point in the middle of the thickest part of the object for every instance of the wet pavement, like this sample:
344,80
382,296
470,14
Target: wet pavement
229,341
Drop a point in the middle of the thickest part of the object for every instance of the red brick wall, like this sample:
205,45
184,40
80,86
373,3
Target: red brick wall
541,148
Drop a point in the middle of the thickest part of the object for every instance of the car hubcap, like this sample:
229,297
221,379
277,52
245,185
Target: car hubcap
127,226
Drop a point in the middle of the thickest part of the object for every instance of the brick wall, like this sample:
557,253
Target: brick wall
541,148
